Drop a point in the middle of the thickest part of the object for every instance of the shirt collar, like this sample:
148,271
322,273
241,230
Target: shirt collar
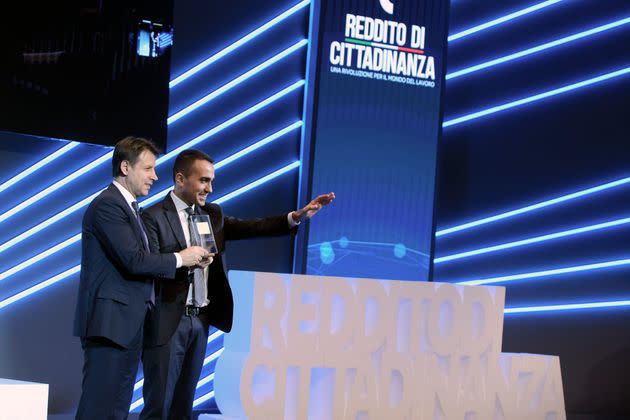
129,198
180,205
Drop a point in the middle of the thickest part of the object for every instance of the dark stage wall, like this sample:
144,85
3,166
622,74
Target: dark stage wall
513,157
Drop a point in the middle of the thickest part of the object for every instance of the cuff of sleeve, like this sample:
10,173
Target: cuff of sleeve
179,260
292,223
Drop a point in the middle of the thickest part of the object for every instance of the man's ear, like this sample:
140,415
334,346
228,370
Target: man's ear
179,178
124,167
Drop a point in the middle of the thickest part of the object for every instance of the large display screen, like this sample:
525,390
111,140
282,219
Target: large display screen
373,134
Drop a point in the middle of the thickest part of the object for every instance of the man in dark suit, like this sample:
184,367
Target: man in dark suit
116,289
177,334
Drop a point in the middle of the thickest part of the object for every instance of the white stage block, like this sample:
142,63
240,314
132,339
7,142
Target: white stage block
21,400
332,348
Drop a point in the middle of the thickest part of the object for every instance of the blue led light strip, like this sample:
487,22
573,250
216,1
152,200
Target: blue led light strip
203,398
23,174
61,215
546,273
533,207
225,51
234,82
567,307
533,240
140,401
538,48
61,276
502,19
538,97
62,245
35,198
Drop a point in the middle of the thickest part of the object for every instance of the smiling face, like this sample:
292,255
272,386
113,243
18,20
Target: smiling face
139,177
194,187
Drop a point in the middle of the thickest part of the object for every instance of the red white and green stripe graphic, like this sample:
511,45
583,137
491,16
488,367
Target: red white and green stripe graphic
380,45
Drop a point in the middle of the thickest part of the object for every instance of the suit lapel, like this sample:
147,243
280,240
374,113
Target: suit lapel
173,219
115,192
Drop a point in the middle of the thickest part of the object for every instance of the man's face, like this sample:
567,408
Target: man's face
140,176
194,188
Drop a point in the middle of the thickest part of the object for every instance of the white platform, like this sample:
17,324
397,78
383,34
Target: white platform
21,400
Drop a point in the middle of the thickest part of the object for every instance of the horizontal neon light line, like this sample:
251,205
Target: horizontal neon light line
40,256
61,215
258,145
502,19
140,401
205,380
538,48
230,122
40,286
34,199
533,207
23,174
538,97
381,45
204,398
61,276
567,307
259,182
546,273
235,82
533,240
225,51
52,220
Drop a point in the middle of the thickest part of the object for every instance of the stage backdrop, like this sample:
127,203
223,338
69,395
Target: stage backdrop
373,120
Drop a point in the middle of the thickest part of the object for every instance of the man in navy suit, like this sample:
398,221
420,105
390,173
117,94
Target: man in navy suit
177,331
116,289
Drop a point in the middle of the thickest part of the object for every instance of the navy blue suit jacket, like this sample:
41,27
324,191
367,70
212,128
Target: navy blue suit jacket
114,270
166,235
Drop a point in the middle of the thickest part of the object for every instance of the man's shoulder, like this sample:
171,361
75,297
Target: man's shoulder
156,209
213,209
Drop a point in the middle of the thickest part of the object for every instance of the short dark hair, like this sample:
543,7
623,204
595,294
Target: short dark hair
130,148
185,160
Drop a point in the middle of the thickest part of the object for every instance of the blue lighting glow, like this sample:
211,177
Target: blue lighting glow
538,97
230,48
40,256
546,273
538,48
249,111
26,172
235,82
203,398
502,19
54,187
532,207
61,276
154,198
533,240
40,286
567,307
258,182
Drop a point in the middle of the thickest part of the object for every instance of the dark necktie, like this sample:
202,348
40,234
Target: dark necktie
149,290
140,224
198,289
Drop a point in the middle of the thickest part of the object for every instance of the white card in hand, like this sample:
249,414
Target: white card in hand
203,228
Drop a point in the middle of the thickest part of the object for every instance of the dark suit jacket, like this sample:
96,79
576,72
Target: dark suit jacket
166,235
114,269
